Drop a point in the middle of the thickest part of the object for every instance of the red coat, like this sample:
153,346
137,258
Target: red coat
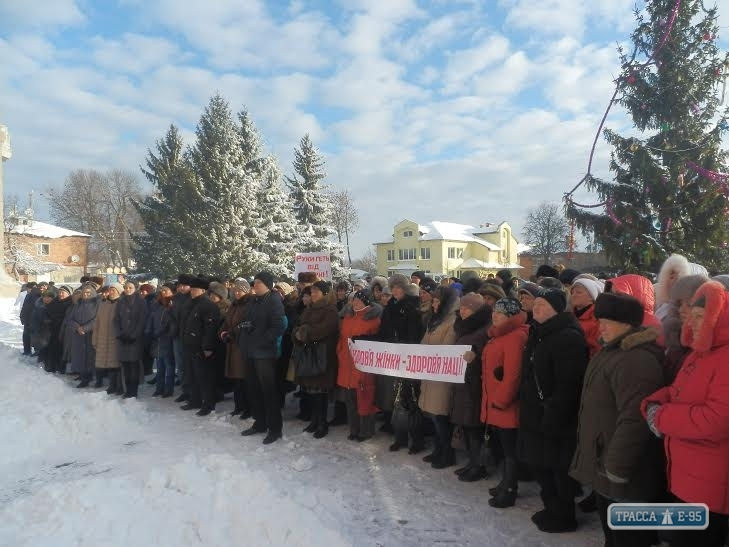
362,323
641,288
589,325
500,398
694,413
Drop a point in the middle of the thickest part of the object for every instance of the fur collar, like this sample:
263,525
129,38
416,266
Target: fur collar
635,338
373,311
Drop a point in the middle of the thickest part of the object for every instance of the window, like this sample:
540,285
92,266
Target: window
455,252
424,253
408,254
407,233
391,255
44,249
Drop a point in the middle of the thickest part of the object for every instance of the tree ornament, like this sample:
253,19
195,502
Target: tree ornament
724,125
634,147
631,79
679,180
708,36
665,126
656,224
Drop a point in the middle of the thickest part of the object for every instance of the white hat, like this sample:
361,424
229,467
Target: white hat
594,288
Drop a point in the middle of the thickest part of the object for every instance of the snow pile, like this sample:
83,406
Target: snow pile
52,413
215,500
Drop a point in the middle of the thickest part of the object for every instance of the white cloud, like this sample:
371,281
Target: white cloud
19,13
464,64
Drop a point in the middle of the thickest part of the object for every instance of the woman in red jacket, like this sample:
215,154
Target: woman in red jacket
500,398
693,416
583,293
361,318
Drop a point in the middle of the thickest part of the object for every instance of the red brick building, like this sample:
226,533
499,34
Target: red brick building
36,251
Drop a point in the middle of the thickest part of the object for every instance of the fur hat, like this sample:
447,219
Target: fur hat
399,280
567,276
473,301
127,282
419,274
504,274
147,287
716,314
545,270
363,296
412,289
555,297
267,278
594,288
386,289
323,286
199,283
184,279
241,285
219,289
361,283
98,280
119,288
492,290
344,285
306,277
170,285
685,287
379,280
507,306
286,289
619,307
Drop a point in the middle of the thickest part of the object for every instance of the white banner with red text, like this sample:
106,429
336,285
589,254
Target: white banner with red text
413,361
318,263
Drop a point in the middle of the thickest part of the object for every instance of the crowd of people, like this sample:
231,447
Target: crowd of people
615,385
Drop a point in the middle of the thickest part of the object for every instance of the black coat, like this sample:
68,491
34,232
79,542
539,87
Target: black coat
402,323
472,332
130,318
26,312
180,309
553,368
200,330
264,325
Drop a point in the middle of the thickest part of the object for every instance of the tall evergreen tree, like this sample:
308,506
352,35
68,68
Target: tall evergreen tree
312,205
168,245
311,202
665,196
277,222
226,199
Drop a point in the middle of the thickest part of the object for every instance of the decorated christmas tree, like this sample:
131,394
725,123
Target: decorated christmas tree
670,183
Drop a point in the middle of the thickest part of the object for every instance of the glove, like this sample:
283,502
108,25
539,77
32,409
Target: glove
650,418
469,356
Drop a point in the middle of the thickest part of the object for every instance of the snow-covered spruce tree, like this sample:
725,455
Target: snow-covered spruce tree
277,222
665,196
226,200
312,204
168,245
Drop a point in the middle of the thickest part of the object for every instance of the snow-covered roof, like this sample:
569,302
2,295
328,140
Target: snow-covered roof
41,229
523,248
474,264
437,230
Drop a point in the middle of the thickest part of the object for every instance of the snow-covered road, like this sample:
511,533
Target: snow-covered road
80,468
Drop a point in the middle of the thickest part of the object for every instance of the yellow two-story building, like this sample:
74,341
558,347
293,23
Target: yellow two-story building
448,249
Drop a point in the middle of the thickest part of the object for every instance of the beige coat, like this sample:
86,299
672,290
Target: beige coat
435,397
103,337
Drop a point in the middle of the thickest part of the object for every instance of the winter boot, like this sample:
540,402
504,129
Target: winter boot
99,378
446,458
475,473
319,408
506,495
589,504
340,414
113,379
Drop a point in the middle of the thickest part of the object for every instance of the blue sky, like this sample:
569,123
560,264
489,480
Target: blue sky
463,111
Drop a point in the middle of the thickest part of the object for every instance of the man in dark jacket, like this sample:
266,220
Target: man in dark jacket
199,337
553,368
260,334
180,308
26,314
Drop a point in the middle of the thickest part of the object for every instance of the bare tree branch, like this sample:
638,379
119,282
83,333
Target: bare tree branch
546,230
345,217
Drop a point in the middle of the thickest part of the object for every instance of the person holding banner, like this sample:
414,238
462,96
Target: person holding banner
318,326
472,322
501,360
360,318
401,323
435,397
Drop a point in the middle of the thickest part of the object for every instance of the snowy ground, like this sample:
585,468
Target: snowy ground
80,468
